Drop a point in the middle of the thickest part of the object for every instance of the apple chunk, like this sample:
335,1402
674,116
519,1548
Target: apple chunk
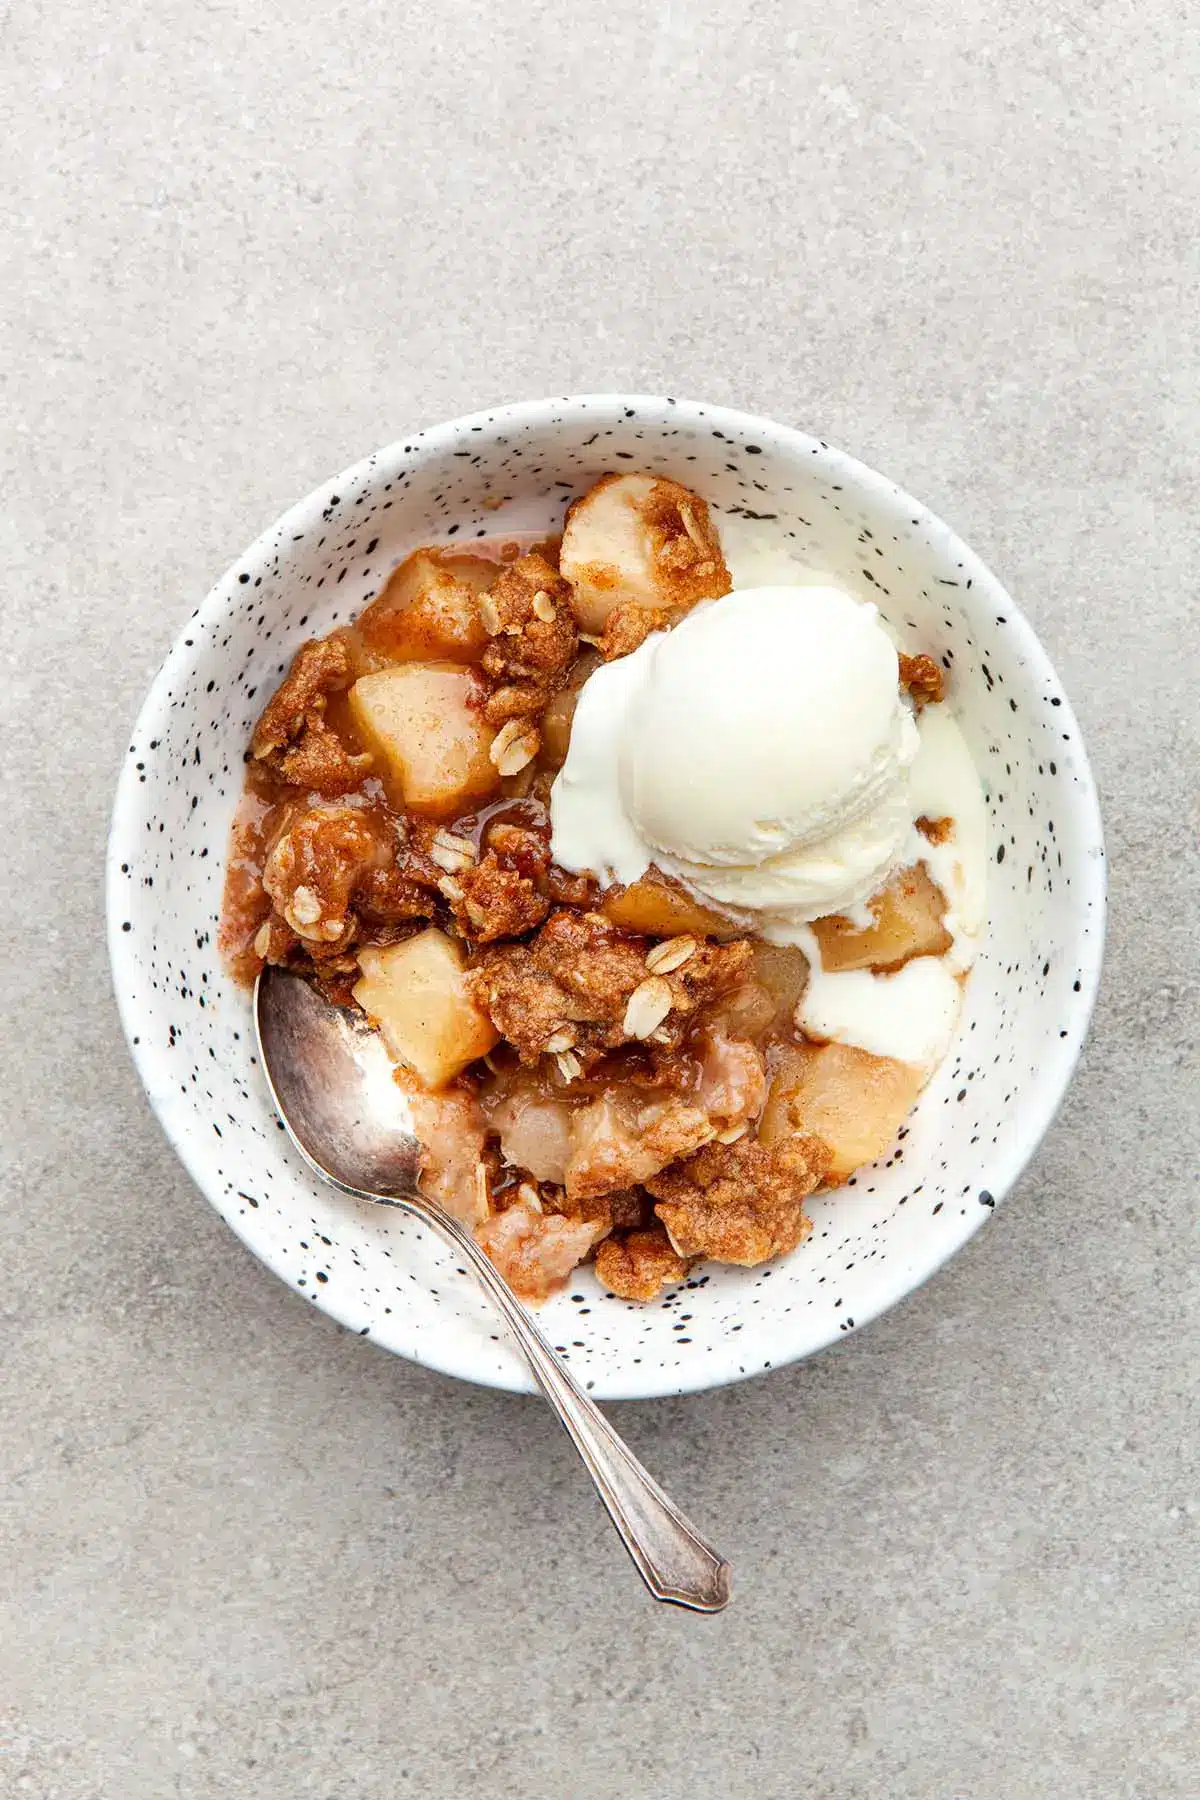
430,740
854,1102
783,971
640,540
559,713
428,609
660,908
907,920
415,994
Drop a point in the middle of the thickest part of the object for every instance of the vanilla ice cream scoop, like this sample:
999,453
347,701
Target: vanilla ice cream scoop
759,752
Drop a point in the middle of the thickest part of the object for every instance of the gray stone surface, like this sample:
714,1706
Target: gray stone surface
244,1555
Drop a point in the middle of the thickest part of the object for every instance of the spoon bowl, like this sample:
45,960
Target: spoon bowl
331,1079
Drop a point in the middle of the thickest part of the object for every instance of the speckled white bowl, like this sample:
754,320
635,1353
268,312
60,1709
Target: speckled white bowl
1028,1001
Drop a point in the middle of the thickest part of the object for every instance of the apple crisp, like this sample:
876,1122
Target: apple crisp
607,1073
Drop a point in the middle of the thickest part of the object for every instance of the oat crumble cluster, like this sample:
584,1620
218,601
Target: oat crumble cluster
610,1073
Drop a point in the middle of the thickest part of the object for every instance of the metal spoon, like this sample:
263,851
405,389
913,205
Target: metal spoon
330,1076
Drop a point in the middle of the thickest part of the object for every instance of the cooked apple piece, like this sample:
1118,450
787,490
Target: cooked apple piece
476,572
640,540
534,1129
617,1142
606,1152
535,1252
559,714
415,993
429,737
557,720
732,1084
908,921
453,1131
746,1011
855,1103
783,971
660,908
428,610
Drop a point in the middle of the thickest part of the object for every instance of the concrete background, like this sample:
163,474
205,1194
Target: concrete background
244,241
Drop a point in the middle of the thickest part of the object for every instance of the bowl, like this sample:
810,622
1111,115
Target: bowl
1028,1000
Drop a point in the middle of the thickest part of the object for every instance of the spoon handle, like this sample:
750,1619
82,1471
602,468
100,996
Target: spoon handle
670,1555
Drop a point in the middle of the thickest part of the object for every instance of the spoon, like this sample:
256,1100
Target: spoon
331,1079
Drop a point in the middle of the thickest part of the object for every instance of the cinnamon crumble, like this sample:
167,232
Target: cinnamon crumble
923,679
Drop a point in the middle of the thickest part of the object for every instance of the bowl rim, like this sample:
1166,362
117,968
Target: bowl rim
1062,1053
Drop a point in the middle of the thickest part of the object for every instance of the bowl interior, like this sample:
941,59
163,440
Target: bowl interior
1027,1003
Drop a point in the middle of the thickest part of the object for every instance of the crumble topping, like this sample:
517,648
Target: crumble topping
585,984
292,739
638,1265
923,679
532,641
313,866
740,1202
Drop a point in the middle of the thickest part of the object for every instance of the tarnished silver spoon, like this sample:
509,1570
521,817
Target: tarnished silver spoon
331,1079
